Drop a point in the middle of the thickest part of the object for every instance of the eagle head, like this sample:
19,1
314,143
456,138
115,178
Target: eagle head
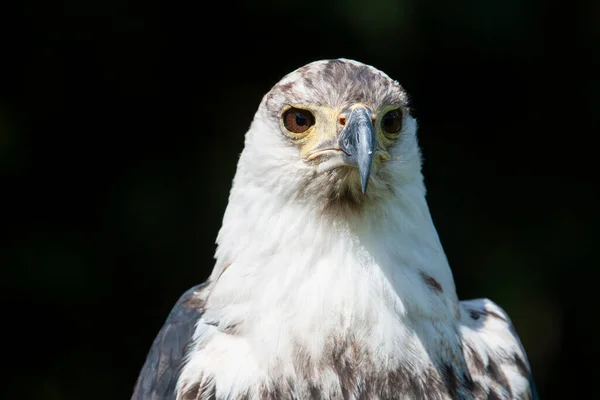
335,133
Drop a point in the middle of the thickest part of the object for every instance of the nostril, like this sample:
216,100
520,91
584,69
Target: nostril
374,120
342,120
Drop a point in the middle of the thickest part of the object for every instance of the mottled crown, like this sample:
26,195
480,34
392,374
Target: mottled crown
333,83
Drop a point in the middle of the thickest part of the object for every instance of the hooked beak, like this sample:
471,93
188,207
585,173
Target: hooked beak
357,140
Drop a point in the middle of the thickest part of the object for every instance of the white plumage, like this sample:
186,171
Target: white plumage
323,291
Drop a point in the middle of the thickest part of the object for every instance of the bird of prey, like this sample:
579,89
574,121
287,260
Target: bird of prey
330,280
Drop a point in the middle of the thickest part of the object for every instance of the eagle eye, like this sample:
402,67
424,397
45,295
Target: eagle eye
392,121
297,120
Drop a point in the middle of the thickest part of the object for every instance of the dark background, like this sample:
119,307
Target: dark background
121,123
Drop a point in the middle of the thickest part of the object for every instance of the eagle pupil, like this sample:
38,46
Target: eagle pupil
392,121
300,119
297,120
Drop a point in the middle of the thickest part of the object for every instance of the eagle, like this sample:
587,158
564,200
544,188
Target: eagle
330,279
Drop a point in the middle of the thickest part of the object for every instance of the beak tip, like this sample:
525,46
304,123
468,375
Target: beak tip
364,182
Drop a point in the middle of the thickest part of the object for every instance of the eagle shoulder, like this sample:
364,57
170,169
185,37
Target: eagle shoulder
158,378
495,356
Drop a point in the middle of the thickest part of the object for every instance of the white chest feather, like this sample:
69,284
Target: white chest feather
330,308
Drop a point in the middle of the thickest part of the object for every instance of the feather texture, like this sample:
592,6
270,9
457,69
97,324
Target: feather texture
322,292
159,374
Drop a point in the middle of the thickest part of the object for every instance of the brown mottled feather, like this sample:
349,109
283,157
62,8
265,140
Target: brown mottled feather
493,351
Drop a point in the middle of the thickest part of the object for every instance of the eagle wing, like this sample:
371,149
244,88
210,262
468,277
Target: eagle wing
495,357
158,377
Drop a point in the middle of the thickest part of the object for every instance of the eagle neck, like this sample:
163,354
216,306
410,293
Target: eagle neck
392,242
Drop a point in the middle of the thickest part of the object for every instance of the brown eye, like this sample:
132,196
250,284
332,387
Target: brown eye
297,121
392,121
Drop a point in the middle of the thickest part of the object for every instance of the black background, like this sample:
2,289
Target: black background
121,123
